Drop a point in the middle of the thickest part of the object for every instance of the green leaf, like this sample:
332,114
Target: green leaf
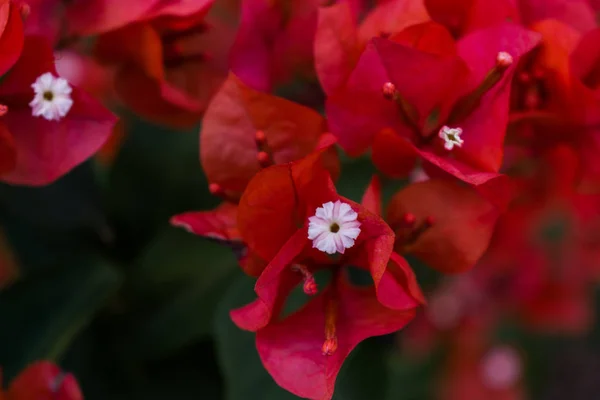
356,175
156,175
365,373
176,256
41,316
413,379
72,202
245,378
179,278
105,371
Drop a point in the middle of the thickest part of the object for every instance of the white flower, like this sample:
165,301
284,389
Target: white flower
451,137
334,227
52,98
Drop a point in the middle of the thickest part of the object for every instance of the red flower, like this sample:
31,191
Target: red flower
542,263
100,16
478,369
53,127
336,46
43,18
390,17
339,40
281,208
407,102
243,131
43,381
577,13
275,41
164,72
465,16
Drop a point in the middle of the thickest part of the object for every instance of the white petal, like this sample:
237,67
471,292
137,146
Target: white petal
347,241
352,232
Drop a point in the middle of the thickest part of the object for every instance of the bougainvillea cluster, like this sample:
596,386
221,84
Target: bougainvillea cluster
481,118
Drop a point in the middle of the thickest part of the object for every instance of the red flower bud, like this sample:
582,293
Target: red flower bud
310,286
504,60
264,159
260,138
215,189
389,90
409,219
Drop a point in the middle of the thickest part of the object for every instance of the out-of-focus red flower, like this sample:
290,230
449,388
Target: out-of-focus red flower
542,264
448,106
579,14
43,380
100,16
275,41
86,73
43,18
585,74
555,101
305,350
53,126
169,61
464,16
336,46
389,17
478,369
340,39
